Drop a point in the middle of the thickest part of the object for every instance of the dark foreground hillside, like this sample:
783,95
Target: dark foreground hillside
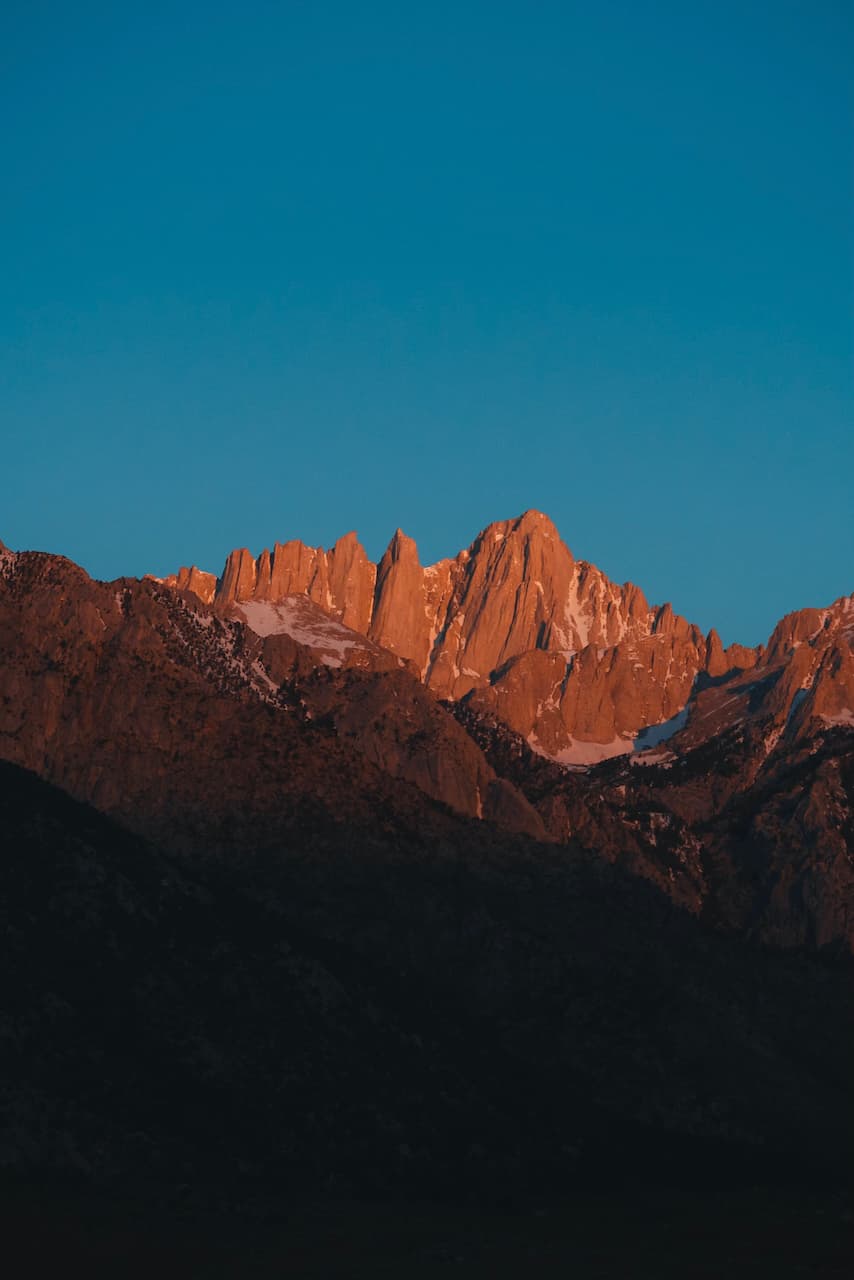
659,1233
481,1020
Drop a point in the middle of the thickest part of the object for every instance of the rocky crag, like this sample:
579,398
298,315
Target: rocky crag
294,858
579,666
229,710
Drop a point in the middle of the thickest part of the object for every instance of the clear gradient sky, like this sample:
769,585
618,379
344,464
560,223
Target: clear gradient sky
274,270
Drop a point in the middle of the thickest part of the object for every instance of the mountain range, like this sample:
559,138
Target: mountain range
413,851
714,750
580,666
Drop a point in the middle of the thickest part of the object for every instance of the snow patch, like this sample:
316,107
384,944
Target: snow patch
262,676
663,758
296,617
582,754
843,717
593,752
654,734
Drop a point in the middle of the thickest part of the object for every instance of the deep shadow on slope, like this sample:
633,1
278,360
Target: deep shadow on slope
758,843
469,1015
664,1234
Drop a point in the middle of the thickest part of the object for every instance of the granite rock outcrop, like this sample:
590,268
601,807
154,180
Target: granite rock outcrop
598,663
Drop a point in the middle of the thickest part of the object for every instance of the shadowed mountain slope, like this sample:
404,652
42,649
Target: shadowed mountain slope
386,1012
226,729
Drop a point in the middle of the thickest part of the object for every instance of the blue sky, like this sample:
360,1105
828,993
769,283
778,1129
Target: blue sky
283,270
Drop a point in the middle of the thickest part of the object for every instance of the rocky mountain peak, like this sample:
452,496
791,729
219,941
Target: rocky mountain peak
106,688
580,666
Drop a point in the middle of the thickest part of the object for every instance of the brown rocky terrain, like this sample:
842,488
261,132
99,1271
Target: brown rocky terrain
388,936
746,807
567,658
772,859
580,667
229,720
165,714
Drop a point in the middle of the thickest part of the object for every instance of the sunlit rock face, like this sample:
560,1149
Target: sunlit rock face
140,699
217,708
374,918
340,581
575,663
703,741
584,669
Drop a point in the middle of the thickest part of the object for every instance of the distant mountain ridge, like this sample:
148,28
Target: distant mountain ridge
379,932
579,666
724,777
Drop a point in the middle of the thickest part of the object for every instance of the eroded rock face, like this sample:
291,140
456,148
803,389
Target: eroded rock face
600,702
159,710
572,661
801,683
341,580
745,815
196,580
400,621
396,724
237,722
